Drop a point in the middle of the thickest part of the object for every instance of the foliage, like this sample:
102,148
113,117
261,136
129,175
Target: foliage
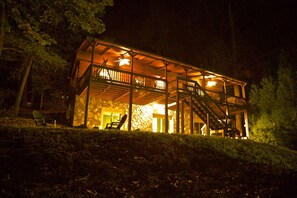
36,20
48,32
274,107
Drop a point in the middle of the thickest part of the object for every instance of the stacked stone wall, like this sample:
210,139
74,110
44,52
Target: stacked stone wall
141,115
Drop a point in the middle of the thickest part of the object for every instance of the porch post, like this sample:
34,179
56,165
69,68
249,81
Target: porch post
131,92
191,115
177,107
225,92
207,125
89,84
245,115
227,109
166,97
182,116
238,116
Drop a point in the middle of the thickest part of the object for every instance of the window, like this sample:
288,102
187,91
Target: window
109,116
159,123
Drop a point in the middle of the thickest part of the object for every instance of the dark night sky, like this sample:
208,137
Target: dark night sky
198,30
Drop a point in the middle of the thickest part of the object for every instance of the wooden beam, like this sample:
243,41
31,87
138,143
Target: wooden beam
131,92
177,109
89,85
103,51
166,98
182,116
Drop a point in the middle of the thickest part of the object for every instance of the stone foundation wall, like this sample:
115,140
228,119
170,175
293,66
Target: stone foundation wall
94,110
187,122
142,117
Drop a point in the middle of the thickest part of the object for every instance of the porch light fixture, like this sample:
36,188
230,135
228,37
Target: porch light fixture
209,76
211,83
124,61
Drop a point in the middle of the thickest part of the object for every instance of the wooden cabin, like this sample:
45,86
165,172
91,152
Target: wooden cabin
157,93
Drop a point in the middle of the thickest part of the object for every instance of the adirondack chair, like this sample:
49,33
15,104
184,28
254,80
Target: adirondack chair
38,118
41,120
116,125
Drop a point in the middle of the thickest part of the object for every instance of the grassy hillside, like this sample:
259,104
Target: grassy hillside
45,162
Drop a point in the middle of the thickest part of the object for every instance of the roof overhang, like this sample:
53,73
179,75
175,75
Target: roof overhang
113,51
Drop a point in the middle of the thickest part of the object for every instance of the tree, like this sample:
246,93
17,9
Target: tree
273,105
46,32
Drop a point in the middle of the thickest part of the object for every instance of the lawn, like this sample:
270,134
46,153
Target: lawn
55,162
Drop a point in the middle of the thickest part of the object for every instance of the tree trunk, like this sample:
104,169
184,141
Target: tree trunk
2,26
28,62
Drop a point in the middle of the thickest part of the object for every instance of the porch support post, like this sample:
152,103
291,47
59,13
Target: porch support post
245,115
207,125
131,92
191,116
166,97
177,107
89,84
183,116
225,92
238,116
227,109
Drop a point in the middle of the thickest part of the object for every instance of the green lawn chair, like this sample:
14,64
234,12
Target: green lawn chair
116,125
38,118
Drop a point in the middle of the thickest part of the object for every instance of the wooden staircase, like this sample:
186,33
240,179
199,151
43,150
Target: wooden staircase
202,104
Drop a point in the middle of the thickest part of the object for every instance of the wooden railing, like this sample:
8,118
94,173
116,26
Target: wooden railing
120,77
222,98
217,96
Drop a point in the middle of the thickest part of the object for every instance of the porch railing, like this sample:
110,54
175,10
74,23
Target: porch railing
108,75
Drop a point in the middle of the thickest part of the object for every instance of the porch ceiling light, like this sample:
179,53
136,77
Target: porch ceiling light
124,61
211,83
209,76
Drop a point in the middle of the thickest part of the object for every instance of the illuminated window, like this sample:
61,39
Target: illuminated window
109,115
159,123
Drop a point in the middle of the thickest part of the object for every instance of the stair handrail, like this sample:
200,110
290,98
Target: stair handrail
207,98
